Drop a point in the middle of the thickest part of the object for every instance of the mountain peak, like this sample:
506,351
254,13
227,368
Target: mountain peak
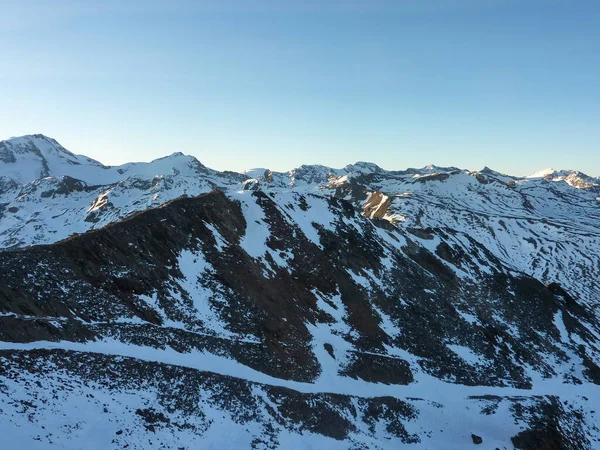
432,168
363,166
29,157
29,138
33,142
542,173
30,142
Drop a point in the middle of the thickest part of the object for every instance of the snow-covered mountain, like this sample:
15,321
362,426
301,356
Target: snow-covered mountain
48,194
29,158
175,306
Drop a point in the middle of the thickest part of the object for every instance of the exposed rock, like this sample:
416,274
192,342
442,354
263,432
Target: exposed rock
376,207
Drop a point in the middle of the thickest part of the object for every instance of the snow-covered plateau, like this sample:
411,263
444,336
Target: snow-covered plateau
169,305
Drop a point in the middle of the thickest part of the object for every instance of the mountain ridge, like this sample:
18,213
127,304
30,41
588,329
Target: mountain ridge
360,308
28,140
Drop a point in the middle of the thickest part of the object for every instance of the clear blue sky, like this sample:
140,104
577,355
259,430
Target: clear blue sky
514,85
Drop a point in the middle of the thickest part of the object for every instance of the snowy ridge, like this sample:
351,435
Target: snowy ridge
138,419
426,388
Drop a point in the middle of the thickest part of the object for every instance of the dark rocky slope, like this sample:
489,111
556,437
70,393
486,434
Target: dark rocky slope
340,326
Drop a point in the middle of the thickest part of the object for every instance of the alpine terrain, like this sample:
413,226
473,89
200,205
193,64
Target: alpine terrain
168,305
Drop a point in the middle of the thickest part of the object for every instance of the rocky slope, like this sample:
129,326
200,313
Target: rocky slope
318,308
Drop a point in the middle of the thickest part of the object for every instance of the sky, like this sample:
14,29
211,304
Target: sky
512,85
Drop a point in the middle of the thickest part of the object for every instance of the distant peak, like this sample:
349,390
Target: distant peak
432,168
259,173
37,141
312,167
490,171
542,173
174,155
363,166
31,138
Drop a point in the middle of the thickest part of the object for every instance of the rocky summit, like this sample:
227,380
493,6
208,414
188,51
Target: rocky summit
168,305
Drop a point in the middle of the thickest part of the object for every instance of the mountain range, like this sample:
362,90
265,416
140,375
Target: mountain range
169,305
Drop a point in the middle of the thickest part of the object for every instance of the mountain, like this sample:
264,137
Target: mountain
572,177
28,158
48,194
175,306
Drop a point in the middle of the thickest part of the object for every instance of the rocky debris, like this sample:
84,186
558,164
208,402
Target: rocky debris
548,428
